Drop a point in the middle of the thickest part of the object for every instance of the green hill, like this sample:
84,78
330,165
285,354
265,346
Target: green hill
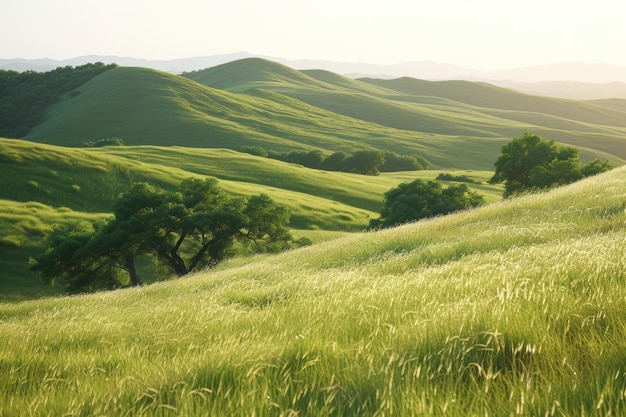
255,102
512,309
252,73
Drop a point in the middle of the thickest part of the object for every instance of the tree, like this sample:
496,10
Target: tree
531,162
185,229
190,228
421,199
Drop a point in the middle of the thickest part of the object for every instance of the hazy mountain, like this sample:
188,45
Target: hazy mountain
176,66
567,89
578,80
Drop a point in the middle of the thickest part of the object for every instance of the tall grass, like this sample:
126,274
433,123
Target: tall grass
512,309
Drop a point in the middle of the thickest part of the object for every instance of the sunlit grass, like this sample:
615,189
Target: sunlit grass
512,309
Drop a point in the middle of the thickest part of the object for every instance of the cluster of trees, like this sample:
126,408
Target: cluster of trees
199,224
421,199
24,96
364,162
531,163
193,227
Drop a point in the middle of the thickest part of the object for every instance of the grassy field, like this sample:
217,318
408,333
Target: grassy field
516,308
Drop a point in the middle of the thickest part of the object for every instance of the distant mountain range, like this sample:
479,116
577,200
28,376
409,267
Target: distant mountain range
576,80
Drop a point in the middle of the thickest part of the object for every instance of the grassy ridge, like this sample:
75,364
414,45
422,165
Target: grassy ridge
89,179
512,309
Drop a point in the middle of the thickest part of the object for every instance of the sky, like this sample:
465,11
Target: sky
477,34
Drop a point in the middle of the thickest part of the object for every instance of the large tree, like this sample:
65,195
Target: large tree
185,230
531,162
421,199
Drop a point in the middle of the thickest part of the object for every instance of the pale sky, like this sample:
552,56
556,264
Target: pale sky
478,34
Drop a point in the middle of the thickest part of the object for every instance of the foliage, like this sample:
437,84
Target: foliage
421,199
530,163
364,162
446,176
113,141
25,96
187,229
265,222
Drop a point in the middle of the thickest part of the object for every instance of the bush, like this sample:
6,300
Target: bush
421,199
114,141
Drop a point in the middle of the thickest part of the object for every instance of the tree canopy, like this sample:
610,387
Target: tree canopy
193,227
421,199
531,162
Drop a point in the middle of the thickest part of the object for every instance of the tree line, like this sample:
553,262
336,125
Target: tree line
364,162
24,96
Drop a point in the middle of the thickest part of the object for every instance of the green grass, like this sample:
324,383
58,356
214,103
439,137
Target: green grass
511,309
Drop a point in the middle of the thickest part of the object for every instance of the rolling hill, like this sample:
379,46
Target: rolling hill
460,108
515,308
145,107
255,102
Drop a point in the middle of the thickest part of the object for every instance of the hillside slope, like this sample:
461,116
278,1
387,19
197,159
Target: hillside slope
512,309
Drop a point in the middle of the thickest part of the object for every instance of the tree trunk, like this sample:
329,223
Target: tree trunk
132,271
177,263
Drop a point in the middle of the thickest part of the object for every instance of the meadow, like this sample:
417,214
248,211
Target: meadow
515,308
